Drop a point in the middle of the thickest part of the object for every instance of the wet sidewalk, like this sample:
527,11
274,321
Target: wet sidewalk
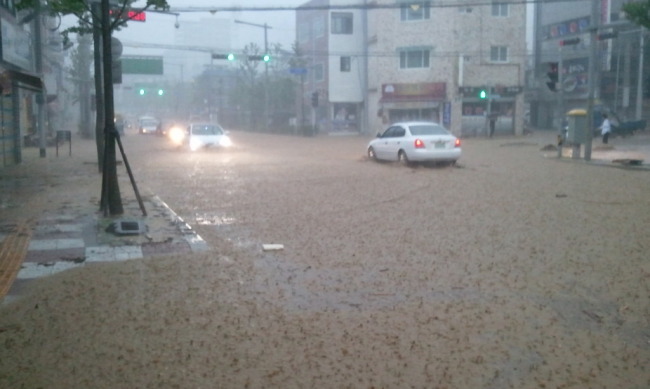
631,152
68,230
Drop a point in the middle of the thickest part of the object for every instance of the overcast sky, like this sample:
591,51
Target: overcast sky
160,28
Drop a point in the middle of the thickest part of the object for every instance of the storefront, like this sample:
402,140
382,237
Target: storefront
421,101
499,102
19,89
17,108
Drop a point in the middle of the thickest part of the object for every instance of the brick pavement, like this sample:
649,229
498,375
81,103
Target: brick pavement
68,230
59,241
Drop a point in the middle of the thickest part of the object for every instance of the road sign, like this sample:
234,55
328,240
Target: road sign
298,71
142,65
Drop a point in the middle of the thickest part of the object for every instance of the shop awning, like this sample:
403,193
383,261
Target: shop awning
28,79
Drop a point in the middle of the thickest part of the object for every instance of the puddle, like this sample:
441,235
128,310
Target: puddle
213,220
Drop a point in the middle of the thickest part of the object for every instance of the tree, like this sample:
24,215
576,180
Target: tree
94,19
638,12
82,10
250,88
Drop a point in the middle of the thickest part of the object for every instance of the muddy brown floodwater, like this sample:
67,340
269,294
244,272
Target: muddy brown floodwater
511,270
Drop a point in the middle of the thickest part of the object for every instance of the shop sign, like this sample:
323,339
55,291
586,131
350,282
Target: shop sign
414,92
16,46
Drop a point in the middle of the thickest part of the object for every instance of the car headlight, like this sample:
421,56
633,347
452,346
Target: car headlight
225,141
177,135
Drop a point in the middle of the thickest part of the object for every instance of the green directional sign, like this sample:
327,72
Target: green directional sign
142,64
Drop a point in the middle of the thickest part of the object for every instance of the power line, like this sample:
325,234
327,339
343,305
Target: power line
368,6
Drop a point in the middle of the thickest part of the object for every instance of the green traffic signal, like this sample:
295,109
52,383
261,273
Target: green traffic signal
482,94
266,58
161,92
141,92
231,57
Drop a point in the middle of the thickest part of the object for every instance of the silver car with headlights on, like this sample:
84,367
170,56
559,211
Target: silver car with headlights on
200,135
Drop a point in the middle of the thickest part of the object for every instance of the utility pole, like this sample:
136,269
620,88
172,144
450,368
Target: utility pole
639,85
593,69
40,96
84,86
99,90
365,117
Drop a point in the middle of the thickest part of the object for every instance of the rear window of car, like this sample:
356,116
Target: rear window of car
149,123
428,129
206,129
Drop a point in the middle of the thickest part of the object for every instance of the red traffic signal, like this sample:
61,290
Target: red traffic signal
136,16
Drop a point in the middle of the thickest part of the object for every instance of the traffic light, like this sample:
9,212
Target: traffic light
553,76
266,58
314,99
142,91
161,92
482,94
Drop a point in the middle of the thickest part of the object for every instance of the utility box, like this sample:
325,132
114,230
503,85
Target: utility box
577,126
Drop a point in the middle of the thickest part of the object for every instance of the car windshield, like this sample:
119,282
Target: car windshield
206,129
428,129
149,123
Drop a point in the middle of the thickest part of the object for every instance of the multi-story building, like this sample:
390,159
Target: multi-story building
18,85
31,81
378,62
332,42
563,47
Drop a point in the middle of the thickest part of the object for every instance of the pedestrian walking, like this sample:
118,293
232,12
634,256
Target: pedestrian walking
605,128
493,121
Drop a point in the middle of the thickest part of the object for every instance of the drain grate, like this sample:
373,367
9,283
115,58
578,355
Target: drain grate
127,227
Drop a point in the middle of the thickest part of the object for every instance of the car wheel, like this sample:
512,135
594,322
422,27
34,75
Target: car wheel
403,159
371,153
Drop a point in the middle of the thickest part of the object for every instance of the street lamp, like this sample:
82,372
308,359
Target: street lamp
266,68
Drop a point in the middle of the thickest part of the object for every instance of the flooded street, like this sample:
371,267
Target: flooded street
512,269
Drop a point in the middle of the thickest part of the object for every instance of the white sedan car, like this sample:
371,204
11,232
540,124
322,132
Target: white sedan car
200,135
409,142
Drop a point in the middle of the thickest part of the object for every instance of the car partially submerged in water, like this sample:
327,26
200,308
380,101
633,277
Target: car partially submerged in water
410,142
200,135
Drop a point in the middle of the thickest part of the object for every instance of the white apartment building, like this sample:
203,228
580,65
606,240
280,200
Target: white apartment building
332,42
417,60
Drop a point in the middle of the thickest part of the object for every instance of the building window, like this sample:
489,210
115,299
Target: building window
499,54
9,5
341,22
415,11
303,32
414,58
319,27
465,10
346,64
500,9
318,72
